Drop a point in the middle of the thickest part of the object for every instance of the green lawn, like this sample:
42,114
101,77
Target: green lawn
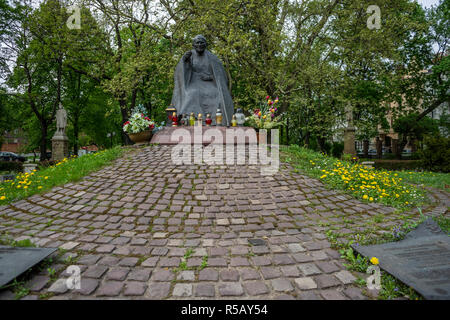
65,171
366,184
430,179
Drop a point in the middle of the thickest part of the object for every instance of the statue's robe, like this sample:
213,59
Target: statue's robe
192,94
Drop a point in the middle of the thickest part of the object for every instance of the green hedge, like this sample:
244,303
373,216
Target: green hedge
11,166
399,165
436,154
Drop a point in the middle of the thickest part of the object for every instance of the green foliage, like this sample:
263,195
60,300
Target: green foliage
61,173
358,263
436,154
409,126
361,182
398,164
14,166
336,149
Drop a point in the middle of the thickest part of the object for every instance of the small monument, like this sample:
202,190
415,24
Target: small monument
60,141
349,133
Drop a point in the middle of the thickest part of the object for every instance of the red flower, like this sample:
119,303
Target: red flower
128,122
267,98
147,118
256,111
152,126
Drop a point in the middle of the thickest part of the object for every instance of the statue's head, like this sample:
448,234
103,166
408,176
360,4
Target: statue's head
199,43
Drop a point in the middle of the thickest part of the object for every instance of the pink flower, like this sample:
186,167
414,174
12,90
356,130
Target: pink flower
267,98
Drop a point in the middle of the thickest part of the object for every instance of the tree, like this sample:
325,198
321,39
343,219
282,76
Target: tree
409,127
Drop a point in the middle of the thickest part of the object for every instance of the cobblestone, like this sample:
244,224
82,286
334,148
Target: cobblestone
131,224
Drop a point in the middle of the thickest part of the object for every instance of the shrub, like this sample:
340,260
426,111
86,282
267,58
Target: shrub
435,155
399,164
336,149
11,166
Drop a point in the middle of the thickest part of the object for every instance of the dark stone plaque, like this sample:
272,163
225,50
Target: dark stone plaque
421,260
257,242
16,260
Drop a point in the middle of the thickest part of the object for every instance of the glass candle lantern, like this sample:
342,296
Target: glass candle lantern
208,120
174,119
192,119
233,121
218,117
199,120
169,112
240,117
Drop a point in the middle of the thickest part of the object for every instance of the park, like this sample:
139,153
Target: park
224,150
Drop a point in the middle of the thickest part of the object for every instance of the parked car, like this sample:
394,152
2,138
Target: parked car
10,156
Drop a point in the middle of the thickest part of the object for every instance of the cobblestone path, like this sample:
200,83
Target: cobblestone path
144,228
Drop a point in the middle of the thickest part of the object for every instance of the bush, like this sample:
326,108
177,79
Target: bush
435,155
15,166
399,164
337,149
47,163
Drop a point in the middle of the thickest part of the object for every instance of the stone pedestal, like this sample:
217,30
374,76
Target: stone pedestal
349,141
205,135
60,147
29,167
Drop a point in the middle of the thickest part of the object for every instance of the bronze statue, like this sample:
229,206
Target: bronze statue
201,84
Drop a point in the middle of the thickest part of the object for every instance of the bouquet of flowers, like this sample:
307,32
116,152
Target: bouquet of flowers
265,117
138,123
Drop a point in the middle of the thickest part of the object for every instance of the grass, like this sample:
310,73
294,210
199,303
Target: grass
431,179
366,184
65,171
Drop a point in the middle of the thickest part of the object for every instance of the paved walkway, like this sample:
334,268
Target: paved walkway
132,225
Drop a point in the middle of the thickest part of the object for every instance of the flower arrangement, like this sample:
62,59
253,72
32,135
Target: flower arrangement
138,122
265,117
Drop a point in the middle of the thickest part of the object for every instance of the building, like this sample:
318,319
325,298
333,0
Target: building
14,141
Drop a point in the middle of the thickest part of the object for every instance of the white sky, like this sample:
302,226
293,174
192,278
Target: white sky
428,3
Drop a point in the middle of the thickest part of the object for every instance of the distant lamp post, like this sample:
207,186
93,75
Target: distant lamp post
111,135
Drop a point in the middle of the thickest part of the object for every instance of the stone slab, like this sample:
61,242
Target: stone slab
16,260
257,242
421,260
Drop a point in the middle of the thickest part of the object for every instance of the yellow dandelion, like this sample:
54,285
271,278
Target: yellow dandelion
374,260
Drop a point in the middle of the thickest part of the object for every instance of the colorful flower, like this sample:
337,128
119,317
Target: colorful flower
374,260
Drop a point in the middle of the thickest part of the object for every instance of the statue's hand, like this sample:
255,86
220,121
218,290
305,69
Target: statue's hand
206,77
187,56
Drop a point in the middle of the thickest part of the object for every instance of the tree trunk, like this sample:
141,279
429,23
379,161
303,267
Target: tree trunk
125,139
75,134
413,143
43,146
379,148
400,148
321,143
287,131
366,148
307,134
